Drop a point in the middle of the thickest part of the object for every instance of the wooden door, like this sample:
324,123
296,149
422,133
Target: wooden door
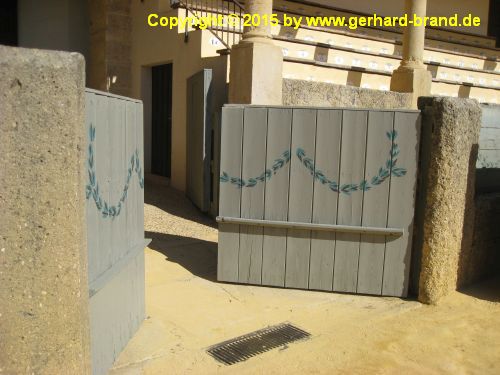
161,120
199,138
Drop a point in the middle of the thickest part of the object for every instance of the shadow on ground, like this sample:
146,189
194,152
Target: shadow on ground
488,290
197,256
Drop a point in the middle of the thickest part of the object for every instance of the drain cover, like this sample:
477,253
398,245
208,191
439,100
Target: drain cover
241,348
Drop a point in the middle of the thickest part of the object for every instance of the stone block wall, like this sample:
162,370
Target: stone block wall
110,46
43,247
320,94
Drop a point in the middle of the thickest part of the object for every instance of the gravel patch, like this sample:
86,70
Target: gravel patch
168,211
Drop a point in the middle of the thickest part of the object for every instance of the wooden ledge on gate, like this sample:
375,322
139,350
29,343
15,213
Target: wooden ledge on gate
394,232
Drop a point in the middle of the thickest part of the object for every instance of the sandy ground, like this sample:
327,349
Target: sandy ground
188,311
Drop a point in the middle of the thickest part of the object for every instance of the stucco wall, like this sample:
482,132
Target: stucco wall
310,93
54,24
157,46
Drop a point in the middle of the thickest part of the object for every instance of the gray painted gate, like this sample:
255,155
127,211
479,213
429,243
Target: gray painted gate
316,198
115,224
488,161
199,138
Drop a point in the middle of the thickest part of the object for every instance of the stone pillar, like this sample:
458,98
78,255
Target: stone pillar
256,72
412,76
110,46
44,292
445,206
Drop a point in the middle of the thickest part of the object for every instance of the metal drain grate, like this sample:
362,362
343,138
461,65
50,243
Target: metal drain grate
241,348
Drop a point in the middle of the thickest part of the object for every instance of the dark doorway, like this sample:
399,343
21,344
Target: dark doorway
8,22
494,20
161,118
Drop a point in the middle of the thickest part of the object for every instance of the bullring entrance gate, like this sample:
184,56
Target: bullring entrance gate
315,198
115,223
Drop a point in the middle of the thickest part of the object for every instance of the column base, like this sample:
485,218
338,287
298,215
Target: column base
415,81
256,74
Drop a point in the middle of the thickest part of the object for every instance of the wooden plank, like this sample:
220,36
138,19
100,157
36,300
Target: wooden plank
115,313
300,199
491,116
230,194
132,193
199,134
350,205
93,215
375,200
139,128
252,197
118,171
99,263
489,139
215,162
488,159
327,160
276,195
402,205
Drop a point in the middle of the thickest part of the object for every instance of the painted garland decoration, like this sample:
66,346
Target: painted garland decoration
92,190
384,172
266,175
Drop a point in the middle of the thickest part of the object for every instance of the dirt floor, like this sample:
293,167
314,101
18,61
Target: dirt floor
189,311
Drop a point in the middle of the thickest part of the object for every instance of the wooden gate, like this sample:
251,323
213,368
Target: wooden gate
488,160
115,223
199,138
316,198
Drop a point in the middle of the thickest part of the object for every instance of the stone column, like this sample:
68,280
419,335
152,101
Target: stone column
44,293
412,75
444,221
256,63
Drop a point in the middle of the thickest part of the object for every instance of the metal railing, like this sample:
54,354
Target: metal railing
230,32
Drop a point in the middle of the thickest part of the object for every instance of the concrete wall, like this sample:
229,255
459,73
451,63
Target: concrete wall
43,248
307,93
54,24
445,196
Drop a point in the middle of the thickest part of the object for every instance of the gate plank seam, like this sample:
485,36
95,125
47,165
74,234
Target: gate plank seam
312,198
388,200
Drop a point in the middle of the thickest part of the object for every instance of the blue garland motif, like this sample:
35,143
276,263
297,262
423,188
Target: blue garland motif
266,175
384,172
92,189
